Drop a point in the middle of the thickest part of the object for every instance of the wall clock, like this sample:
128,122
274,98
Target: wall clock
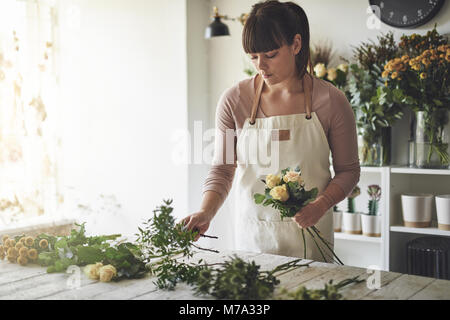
406,13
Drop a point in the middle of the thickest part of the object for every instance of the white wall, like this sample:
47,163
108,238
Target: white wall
124,94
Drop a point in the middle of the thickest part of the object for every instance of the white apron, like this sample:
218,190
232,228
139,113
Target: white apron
301,142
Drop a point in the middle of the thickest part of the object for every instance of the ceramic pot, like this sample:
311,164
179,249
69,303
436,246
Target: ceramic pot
371,225
417,209
337,221
351,223
443,211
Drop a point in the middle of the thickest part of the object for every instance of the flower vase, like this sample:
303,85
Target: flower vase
374,146
432,139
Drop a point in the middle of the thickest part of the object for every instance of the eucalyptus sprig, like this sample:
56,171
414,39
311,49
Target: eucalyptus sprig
164,244
329,292
237,279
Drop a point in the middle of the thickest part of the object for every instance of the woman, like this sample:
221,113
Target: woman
311,118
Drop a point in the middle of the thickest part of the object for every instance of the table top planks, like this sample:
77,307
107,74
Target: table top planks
32,282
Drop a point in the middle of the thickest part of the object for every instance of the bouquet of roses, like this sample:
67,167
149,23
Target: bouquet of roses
286,193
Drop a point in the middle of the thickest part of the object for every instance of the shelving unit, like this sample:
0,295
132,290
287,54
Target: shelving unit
356,237
389,251
429,231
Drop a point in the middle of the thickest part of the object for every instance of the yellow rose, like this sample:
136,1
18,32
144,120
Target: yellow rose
23,252
93,270
22,260
32,254
29,241
12,252
292,176
4,238
43,243
385,74
332,74
343,67
107,273
320,70
280,193
272,180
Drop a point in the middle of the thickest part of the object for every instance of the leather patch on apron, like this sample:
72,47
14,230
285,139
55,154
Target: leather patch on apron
281,135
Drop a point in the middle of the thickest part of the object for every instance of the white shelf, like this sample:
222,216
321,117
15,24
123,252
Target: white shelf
372,169
407,170
367,169
429,231
356,237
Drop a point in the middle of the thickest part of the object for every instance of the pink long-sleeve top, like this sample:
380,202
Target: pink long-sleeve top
334,113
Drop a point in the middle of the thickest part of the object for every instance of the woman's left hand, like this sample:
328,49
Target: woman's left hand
311,213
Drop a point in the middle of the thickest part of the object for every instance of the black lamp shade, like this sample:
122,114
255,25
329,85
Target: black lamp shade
216,29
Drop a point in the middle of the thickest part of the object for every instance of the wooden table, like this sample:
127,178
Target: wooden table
32,282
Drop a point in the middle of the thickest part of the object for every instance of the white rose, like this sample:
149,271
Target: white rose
93,270
293,176
107,272
343,67
320,70
332,74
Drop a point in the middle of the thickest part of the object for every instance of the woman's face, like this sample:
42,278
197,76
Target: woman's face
277,65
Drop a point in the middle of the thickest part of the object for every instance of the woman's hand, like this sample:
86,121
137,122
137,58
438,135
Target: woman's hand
198,221
311,213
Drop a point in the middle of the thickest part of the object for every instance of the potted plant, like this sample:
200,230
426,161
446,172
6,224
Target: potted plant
337,219
422,73
351,220
370,221
376,107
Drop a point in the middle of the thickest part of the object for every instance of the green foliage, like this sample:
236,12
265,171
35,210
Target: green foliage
163,243
237,279
79,249
375,105
329,292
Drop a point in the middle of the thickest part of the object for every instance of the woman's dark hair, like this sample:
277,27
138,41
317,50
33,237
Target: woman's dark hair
272,24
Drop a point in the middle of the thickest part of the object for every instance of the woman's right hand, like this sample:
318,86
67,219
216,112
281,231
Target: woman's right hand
198,221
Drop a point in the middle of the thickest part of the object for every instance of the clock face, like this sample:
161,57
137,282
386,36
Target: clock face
406,13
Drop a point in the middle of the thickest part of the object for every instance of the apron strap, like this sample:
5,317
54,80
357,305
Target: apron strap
308,97
257,99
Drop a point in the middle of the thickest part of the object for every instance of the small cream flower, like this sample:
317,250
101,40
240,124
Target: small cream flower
272,180
320,70
280,193
292,176
107,273
343,67
93,270
332,74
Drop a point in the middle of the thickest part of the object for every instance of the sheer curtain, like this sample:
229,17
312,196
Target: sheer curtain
29,142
